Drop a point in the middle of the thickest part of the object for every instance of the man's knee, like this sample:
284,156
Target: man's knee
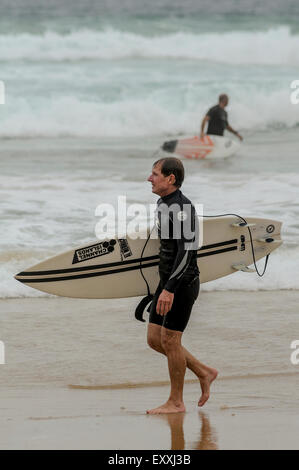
154,343
154,337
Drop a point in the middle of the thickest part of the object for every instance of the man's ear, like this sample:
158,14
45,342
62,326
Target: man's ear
172,178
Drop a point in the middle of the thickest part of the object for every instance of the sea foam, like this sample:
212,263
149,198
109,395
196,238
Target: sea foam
275,46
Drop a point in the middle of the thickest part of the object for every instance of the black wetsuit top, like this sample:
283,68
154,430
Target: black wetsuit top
218,120
178,230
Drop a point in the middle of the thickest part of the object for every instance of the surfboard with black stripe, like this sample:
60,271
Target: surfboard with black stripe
115,267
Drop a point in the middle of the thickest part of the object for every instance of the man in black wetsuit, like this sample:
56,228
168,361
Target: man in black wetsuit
178,289
217,121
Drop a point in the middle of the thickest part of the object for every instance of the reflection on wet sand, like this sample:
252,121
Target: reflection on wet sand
176,421
207,439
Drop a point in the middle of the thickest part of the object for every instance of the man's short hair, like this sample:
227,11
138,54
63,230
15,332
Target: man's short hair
172,166
223,97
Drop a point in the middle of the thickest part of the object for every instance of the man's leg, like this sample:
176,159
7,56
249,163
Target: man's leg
171,345
205,374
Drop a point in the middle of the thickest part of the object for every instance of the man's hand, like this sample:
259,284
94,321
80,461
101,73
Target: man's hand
230,129
165,302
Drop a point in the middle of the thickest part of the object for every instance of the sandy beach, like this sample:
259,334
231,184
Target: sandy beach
62,388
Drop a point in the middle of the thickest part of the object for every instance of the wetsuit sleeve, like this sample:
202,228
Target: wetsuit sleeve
185,250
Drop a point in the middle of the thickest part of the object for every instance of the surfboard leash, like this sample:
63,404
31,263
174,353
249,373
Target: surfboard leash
245,224
149,297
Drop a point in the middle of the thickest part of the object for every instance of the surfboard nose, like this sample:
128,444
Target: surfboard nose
18,276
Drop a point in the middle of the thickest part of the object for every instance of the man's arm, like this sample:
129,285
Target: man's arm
204,121
230,129
180,265
181,262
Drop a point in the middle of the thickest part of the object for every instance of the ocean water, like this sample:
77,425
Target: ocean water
119,69
93,89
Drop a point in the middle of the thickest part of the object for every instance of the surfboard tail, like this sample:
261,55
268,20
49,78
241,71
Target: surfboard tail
169,146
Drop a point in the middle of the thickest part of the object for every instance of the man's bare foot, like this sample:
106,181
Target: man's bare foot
205,384
168,407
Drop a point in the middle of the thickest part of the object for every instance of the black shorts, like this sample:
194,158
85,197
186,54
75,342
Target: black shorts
184,298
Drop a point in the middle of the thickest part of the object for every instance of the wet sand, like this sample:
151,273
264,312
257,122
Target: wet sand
49,402
115,419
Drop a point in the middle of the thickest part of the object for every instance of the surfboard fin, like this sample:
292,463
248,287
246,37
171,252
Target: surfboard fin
243,267
141,306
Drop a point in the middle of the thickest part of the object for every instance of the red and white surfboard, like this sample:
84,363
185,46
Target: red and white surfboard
210,146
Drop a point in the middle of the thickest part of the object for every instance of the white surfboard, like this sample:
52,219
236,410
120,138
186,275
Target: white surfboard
117,267
210,146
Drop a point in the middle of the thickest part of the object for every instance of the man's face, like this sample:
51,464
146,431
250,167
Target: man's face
160,184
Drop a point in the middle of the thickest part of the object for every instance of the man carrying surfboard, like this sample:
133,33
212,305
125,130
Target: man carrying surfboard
178,289
217,120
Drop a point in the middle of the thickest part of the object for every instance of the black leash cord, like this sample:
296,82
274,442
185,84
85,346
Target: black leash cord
147,286
251,241
149,297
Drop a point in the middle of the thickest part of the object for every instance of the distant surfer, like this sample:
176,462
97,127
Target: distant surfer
170,310
217,119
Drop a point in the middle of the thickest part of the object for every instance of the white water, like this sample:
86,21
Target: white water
112,83
276,46
155,115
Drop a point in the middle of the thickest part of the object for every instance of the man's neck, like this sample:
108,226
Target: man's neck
168,191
